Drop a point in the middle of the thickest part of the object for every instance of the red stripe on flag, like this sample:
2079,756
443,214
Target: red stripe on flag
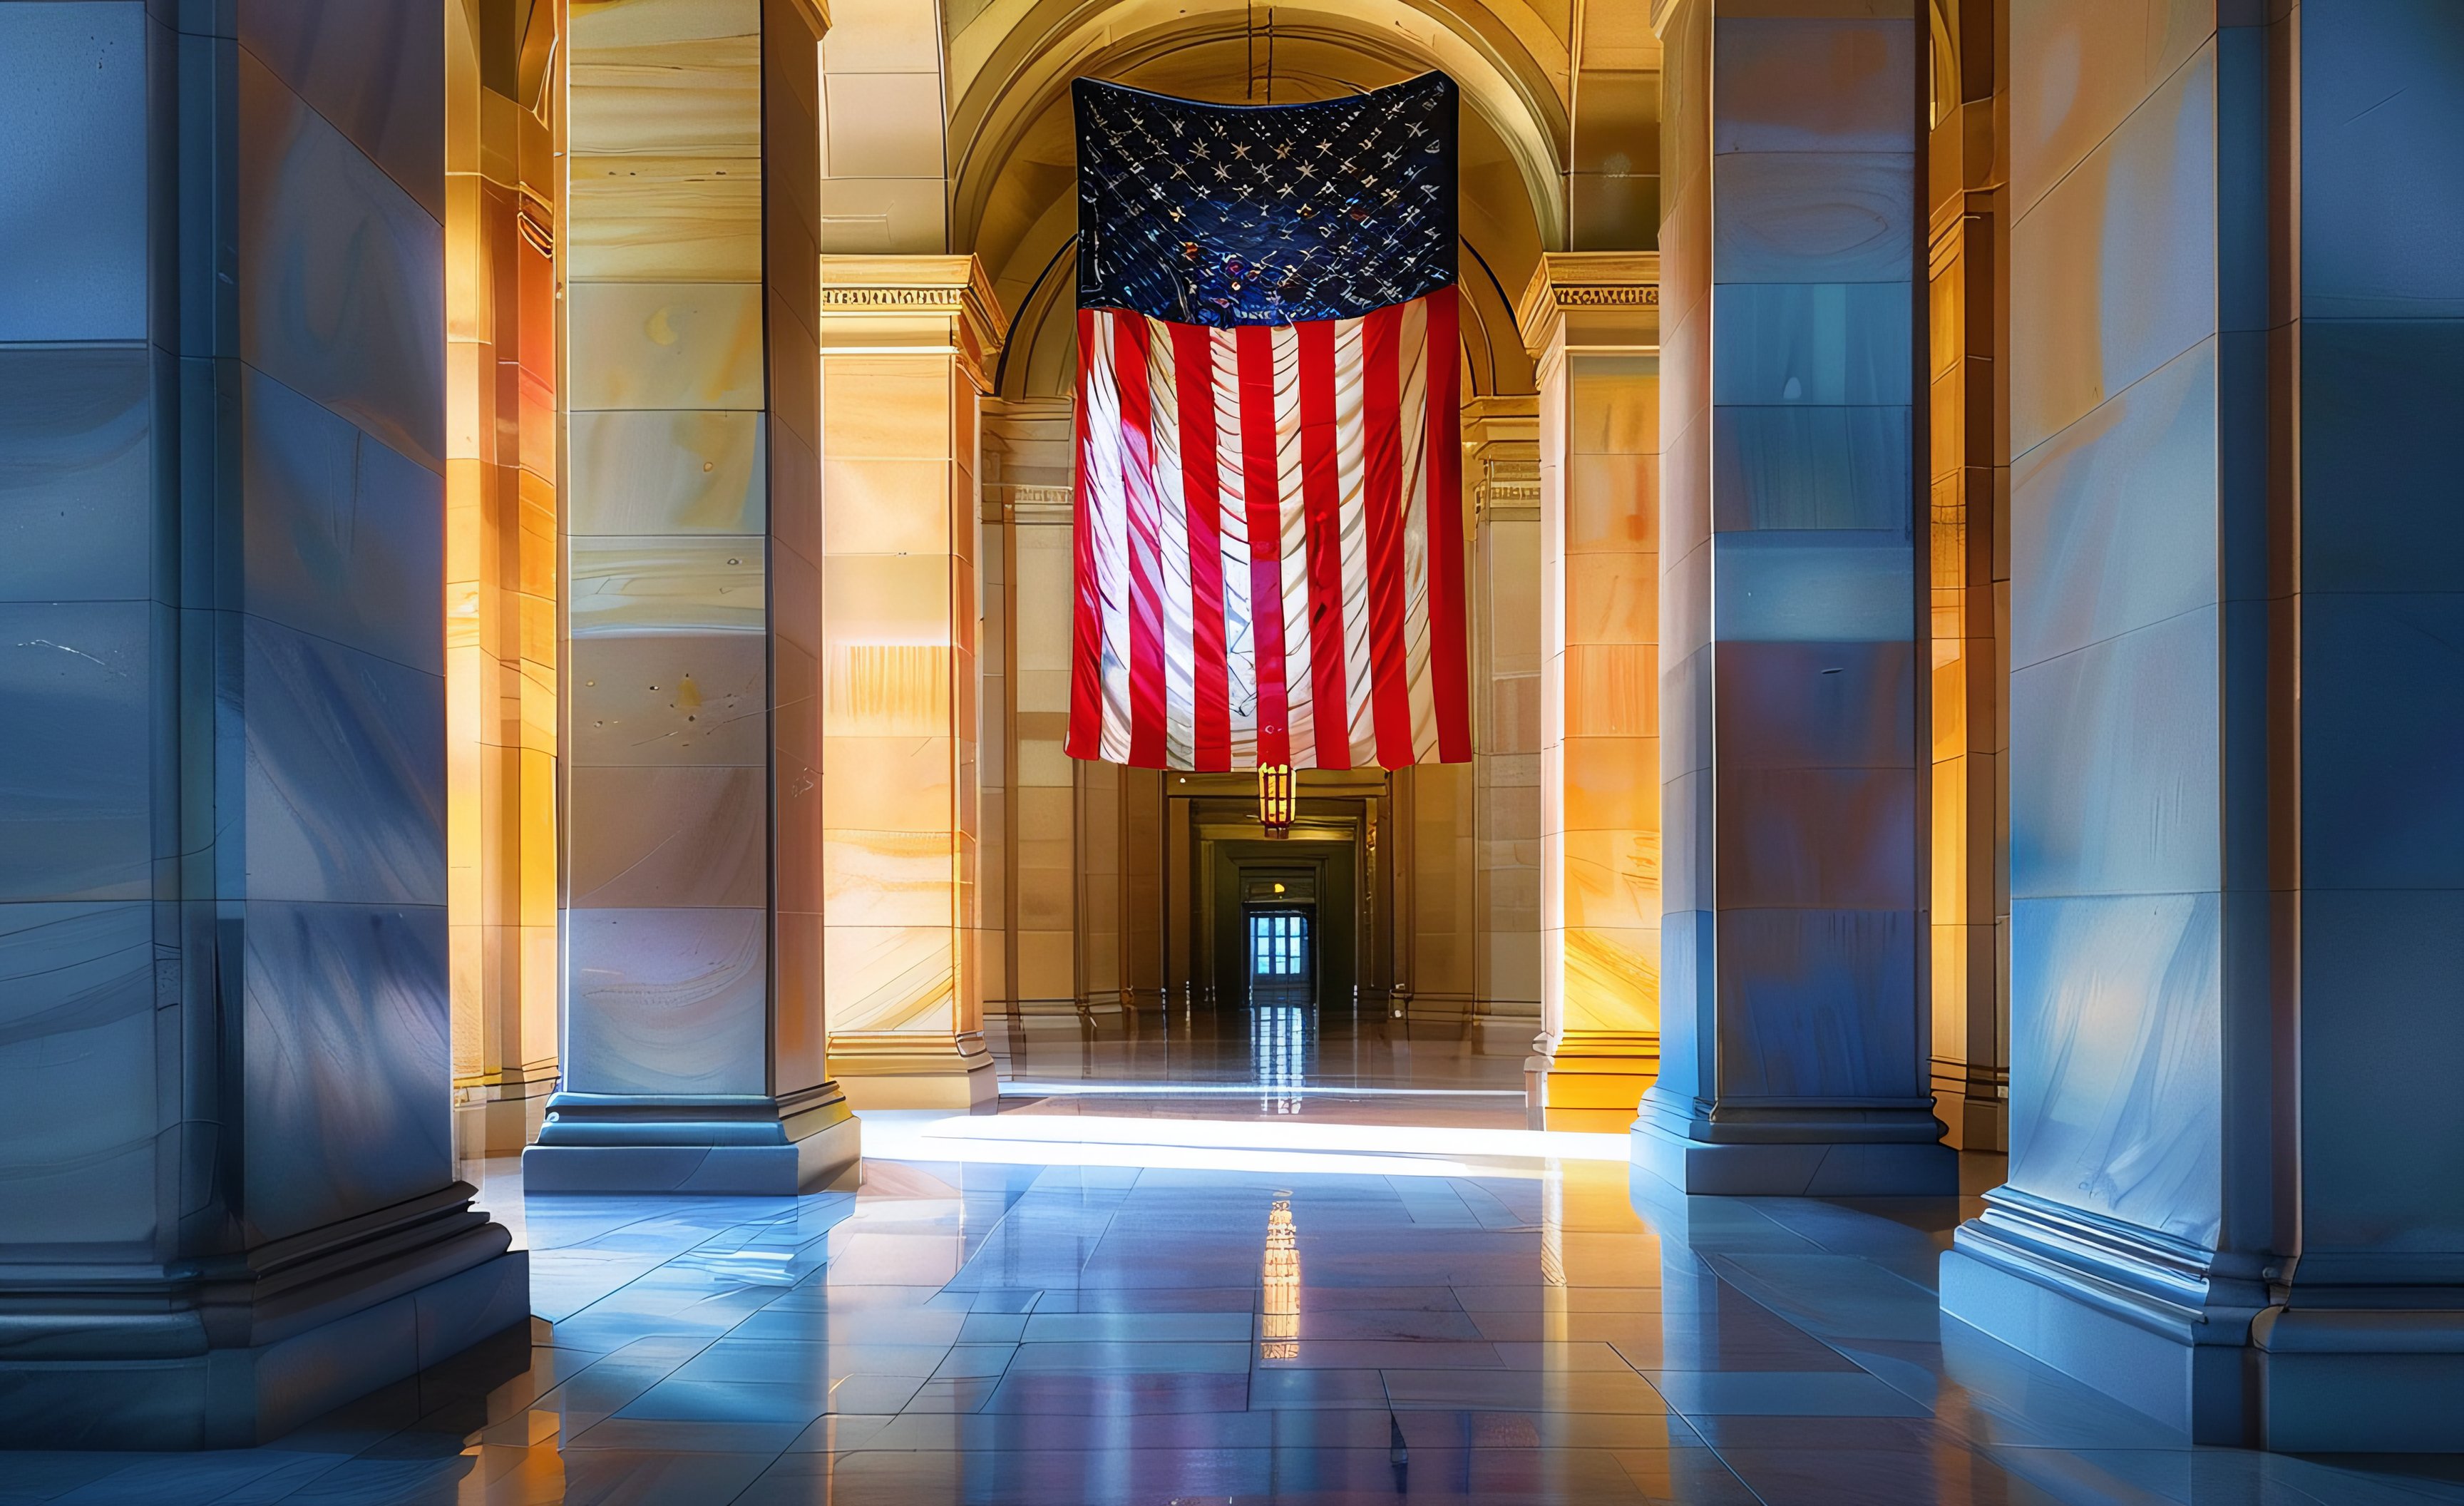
1322,502
1193,347
1382,493
1086,627
1447,674
1260,492
1145,544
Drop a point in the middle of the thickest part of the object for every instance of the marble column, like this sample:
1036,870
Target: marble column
2237,829
1592,321
693,1025
1795,1023
1502,467
228,1200
905,345
502,173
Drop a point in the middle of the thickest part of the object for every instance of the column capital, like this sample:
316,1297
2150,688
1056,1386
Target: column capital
912,304
1590,298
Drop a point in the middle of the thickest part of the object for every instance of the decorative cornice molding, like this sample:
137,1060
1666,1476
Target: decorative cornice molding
817,15
953,287
1027,502
1567,280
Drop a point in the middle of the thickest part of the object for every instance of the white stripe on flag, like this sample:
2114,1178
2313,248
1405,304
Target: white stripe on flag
1351,465
1180,617
1413,433
1113,535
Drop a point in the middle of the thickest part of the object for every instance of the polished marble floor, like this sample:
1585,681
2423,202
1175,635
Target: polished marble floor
1252,1308
1248,1255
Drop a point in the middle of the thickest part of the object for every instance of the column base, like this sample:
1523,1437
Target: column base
500,1115
1975,1107
2193,1341
1795,1153
910,1072
724,1145
237,1351
1590,1084
2333,1381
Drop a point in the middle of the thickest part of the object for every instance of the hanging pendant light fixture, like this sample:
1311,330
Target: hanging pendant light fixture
1275,803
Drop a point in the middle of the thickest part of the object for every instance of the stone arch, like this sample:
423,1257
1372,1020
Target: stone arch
1011,178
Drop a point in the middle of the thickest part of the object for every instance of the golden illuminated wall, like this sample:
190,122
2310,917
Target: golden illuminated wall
1969,583
904,341
501,532
1593,318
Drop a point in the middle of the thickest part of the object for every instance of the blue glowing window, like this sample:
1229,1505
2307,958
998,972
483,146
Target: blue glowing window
1279,945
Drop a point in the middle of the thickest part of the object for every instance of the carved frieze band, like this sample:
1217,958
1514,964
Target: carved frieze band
1020,503
1628,297
927,300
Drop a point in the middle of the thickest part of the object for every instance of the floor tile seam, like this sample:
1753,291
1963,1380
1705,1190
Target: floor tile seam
1713,1450
1799,1328
1822,1244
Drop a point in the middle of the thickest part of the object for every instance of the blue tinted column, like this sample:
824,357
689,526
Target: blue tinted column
1793,1039
2238,824
223,992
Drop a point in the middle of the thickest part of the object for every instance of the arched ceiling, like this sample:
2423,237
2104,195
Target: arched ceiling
1012,159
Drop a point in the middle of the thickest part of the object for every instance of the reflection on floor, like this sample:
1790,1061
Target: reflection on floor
1455,1314
1275,1058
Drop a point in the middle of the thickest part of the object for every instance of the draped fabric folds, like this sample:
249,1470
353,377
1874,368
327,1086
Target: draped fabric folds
1270,507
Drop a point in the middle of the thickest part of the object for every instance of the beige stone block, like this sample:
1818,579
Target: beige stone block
882,125
665,473
671,77
887,784
665,346
1612,502
534,828
881,978
1612,979
666,587
1611,785
1612,690
1042,761
908,216
1612,880
902,878
892,407
878,506
1611,599
539,963
877,599
1613,405
1046,965
881,36
1949,951
663,219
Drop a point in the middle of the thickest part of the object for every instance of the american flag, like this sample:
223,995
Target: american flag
1269,542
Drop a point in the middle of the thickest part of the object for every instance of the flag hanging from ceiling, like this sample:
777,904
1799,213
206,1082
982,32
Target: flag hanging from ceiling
1269,524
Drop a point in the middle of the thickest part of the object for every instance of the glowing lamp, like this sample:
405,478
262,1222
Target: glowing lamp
1275,801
